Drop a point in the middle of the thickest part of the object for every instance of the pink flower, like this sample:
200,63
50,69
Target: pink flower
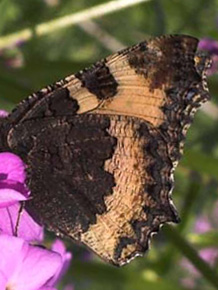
27,229
3,114
59,247
209,255
211,46
26,267
12,177
12,191
202,225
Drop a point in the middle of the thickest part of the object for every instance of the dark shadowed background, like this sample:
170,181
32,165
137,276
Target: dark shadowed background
30,60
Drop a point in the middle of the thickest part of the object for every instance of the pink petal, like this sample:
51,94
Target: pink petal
11,255
59,247
3,114
28,229
10,196
38,266
13,166
26,267
202,225
3,280
209,255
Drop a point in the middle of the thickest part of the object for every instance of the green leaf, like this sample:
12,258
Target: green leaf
208,239
200,162
16,84
126,277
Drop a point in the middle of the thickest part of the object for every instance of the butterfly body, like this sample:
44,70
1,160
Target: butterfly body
101,146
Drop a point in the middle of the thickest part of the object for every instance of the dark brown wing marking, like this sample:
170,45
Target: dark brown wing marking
99,81
166,61
66,164
59,103
19,112
69,96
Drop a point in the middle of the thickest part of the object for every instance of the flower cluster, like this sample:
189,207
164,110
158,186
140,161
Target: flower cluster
24,265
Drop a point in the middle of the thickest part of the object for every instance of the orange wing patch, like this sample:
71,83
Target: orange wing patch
133,211
134,97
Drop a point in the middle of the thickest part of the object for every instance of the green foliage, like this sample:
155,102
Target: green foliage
44,59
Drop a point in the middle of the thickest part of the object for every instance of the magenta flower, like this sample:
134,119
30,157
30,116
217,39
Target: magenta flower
26,267
12,177
211,46
27,229
209,255
3,114
59,247
12,191
202,225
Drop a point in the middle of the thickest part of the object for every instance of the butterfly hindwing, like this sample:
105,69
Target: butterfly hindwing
111,200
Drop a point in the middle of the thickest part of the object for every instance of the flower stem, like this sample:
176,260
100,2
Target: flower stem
190,253
65,21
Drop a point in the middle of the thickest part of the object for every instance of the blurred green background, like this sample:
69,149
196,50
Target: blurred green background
181,257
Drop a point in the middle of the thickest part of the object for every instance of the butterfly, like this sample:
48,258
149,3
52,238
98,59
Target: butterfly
101,146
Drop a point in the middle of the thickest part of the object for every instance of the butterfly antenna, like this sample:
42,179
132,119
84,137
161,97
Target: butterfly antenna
22,204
